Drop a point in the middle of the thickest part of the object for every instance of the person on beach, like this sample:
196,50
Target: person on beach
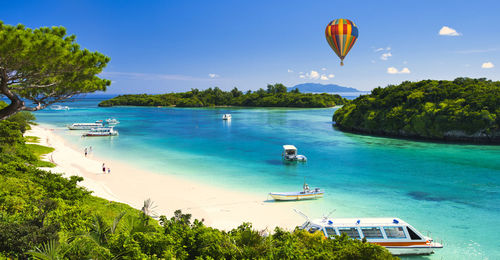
90,149
109,170
103,168
85,151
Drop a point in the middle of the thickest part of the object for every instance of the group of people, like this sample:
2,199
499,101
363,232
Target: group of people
87,150
104,169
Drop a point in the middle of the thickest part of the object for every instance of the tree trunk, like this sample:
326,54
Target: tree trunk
16,103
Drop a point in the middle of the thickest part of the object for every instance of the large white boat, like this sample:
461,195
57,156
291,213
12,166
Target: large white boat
290,154
399,237
226,117
84,126
101,131
305,194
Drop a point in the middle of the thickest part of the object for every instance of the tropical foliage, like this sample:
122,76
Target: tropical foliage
275,96
44,66
463,109
46,216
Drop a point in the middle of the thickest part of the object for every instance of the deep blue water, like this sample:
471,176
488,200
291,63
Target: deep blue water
451,190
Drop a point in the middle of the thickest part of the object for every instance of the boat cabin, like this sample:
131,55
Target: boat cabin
399,237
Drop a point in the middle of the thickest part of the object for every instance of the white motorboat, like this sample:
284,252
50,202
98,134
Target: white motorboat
226,117
399,237
305,194
102,131
290,154
58,107
84,126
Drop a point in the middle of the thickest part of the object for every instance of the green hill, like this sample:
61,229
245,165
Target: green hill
464,109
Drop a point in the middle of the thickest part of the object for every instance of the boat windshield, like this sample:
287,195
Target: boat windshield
394,232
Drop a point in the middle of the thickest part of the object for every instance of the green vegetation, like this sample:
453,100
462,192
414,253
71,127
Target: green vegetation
32,139
464,109
45,66
39,151
46,216
275,96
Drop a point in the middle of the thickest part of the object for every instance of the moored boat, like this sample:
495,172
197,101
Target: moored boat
101,131
226,117
305,194
59,107
399,237
290,154
84,126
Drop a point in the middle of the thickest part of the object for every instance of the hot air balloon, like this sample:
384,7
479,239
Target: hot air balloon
341,35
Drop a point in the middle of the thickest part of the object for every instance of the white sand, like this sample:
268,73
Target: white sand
220,208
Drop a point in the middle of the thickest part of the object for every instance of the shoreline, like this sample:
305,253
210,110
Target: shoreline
220,208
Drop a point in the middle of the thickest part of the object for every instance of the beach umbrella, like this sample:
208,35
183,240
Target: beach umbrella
341,35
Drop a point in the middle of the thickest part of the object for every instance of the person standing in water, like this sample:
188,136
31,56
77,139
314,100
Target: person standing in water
109,170
103,168
85,151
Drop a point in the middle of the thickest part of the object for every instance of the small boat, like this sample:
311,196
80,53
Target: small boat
290,154
58,107
84,126
102,131
226,117
399,237
112,121
305,194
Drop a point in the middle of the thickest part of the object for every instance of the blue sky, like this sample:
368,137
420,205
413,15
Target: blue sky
165,46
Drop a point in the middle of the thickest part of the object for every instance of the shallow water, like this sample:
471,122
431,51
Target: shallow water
451,190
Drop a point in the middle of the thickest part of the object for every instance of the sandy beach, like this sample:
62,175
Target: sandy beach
220,208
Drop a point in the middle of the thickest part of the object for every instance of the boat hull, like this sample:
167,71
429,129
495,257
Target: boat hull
289,197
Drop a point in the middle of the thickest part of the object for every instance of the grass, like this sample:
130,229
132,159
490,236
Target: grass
32,139
39,151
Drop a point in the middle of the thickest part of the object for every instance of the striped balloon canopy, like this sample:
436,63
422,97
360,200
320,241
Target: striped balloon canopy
341,35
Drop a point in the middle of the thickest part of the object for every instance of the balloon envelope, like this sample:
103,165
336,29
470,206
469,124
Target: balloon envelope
341,35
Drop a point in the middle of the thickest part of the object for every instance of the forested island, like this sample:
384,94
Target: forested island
464,109
46,216
274,96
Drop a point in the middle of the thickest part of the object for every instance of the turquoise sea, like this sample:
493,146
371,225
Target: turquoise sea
451,191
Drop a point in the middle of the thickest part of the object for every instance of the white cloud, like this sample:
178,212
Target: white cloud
302,76
405,62
324,77
313,74
331,76
392,70
385,56
447,31
290,71
213,76
383,49
323,69
487,65
405,71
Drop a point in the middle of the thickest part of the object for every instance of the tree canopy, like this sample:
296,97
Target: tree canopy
44,66
274,96
464,109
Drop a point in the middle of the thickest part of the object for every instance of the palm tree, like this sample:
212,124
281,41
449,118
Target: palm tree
148,208
48,251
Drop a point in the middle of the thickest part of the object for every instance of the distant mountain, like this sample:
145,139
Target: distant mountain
316,87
